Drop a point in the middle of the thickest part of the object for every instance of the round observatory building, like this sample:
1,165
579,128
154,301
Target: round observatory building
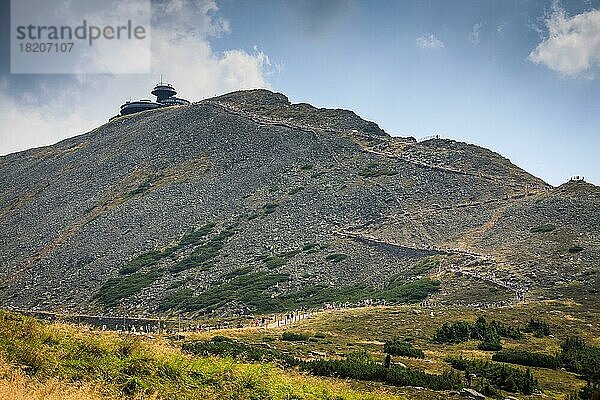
165,97
132,107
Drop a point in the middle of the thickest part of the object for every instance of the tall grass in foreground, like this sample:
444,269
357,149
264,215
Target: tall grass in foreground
16,385
54,361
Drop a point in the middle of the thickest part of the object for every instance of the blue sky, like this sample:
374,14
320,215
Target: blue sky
519,77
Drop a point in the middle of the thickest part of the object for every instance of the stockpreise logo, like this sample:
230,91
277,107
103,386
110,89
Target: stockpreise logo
80,36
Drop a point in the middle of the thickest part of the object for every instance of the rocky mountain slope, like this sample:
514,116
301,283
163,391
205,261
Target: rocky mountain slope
246,203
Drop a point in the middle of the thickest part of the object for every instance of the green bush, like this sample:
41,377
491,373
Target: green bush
507,378
150,258
362,367
143,260
461,331
226,347
294,337
373,170
273,262
202,256
270,208
249,289
355,366
336,257
279,259
119,288
538,328
195,236
144,186
237,272
398,291
252,215
489,346
575,249
486,388
527,358
399,347
577,356
543,228
252,290
424,265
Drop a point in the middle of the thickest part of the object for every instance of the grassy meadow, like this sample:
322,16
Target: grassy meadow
40,360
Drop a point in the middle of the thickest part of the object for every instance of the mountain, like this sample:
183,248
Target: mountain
247,203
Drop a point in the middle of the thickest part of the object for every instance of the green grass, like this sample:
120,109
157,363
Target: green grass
360,365
119,367
342,332
368,328
294,337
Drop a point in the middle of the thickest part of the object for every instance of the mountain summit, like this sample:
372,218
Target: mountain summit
247,203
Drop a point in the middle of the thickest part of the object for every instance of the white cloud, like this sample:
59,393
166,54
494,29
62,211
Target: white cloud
474,34
206,73
181,51
25,127
572,44
429,42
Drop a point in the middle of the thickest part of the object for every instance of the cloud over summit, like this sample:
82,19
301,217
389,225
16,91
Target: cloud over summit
181,52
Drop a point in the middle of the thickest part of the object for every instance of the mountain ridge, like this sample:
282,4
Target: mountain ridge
273,177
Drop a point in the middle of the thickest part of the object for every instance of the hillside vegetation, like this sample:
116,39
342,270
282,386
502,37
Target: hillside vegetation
306,359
